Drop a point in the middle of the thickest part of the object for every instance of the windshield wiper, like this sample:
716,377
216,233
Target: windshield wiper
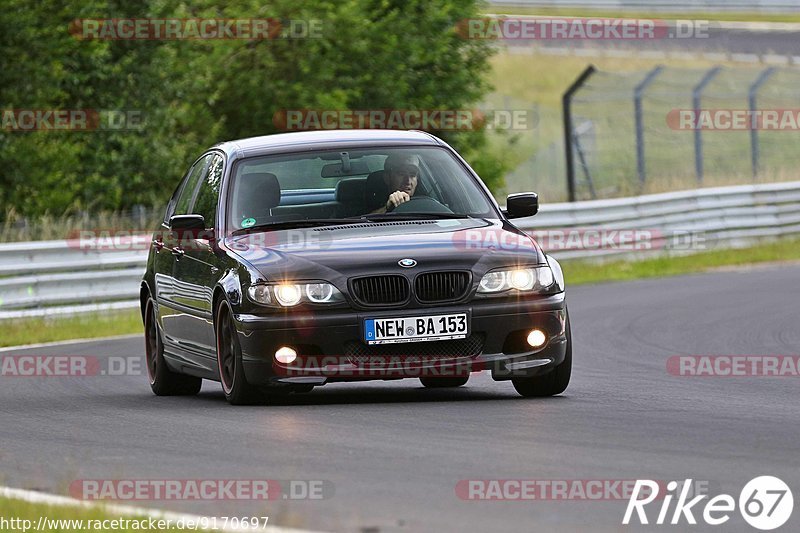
292,224
375,217
383,217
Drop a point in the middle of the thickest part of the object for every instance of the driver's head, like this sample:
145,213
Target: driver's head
401,172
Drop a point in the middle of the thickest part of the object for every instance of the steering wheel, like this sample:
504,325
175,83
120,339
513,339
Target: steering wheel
422,204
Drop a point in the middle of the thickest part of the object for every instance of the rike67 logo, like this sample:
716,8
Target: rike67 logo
766,503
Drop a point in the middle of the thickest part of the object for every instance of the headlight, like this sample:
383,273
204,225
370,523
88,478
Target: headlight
290,294
537,279
260,294
493,282
522,280
319,292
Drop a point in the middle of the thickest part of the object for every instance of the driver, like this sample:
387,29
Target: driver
400,173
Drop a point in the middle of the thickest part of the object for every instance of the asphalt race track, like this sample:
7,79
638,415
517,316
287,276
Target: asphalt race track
394,451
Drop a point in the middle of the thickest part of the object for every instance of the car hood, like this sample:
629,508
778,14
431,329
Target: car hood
337,252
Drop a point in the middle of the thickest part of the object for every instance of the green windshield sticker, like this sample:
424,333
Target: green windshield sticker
246,223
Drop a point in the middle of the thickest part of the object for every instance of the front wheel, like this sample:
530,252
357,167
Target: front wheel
229,360
552,383
163,381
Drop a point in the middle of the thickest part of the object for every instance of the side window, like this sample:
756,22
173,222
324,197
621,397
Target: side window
186,196
206,204
173,200
171,205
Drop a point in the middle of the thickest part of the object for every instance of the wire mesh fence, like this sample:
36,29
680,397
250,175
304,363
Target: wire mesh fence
668,129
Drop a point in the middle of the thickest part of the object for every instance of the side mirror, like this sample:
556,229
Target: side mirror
523,204
188,226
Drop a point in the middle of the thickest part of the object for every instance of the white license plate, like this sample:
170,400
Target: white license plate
416,328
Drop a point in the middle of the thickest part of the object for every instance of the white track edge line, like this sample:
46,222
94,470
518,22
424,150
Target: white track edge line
71,341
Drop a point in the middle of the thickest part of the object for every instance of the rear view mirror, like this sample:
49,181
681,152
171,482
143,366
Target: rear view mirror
523,204
337,170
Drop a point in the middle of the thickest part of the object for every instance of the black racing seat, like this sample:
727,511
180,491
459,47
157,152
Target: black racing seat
375,192
349,196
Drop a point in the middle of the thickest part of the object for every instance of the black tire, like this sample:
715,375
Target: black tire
552,383
443,383
163,381
229,362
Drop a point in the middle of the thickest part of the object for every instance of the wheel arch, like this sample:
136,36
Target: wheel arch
228,289
216,301
144,294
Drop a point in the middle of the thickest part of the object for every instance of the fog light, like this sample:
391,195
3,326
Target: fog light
537,338
285,355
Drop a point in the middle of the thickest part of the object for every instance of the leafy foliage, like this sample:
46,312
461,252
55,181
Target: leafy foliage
371,54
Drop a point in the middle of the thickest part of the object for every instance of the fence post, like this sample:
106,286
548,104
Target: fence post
566,103
751,97
637,110
698,140
584,164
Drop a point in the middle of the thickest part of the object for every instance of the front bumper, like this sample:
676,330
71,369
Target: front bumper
322,341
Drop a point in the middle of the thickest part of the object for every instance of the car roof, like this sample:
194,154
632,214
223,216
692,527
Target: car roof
280,142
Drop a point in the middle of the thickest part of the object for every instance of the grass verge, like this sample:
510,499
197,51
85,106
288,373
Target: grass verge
581,272
24,516
17,228
35,330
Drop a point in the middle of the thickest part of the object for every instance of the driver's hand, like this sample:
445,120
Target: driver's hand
395,199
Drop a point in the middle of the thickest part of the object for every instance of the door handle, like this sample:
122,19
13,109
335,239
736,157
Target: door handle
159,244
178,252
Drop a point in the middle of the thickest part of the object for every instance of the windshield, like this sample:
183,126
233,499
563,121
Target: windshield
329,186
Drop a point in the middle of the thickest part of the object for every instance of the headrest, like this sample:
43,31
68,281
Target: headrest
350,190
376,193
258,193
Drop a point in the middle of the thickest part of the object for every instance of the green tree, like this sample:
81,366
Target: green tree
372,54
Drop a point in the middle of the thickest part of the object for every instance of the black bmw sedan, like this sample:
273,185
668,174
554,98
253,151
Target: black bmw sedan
289,261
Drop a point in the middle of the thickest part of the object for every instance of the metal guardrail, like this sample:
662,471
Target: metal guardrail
679,222
59,277
46,278
743,6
